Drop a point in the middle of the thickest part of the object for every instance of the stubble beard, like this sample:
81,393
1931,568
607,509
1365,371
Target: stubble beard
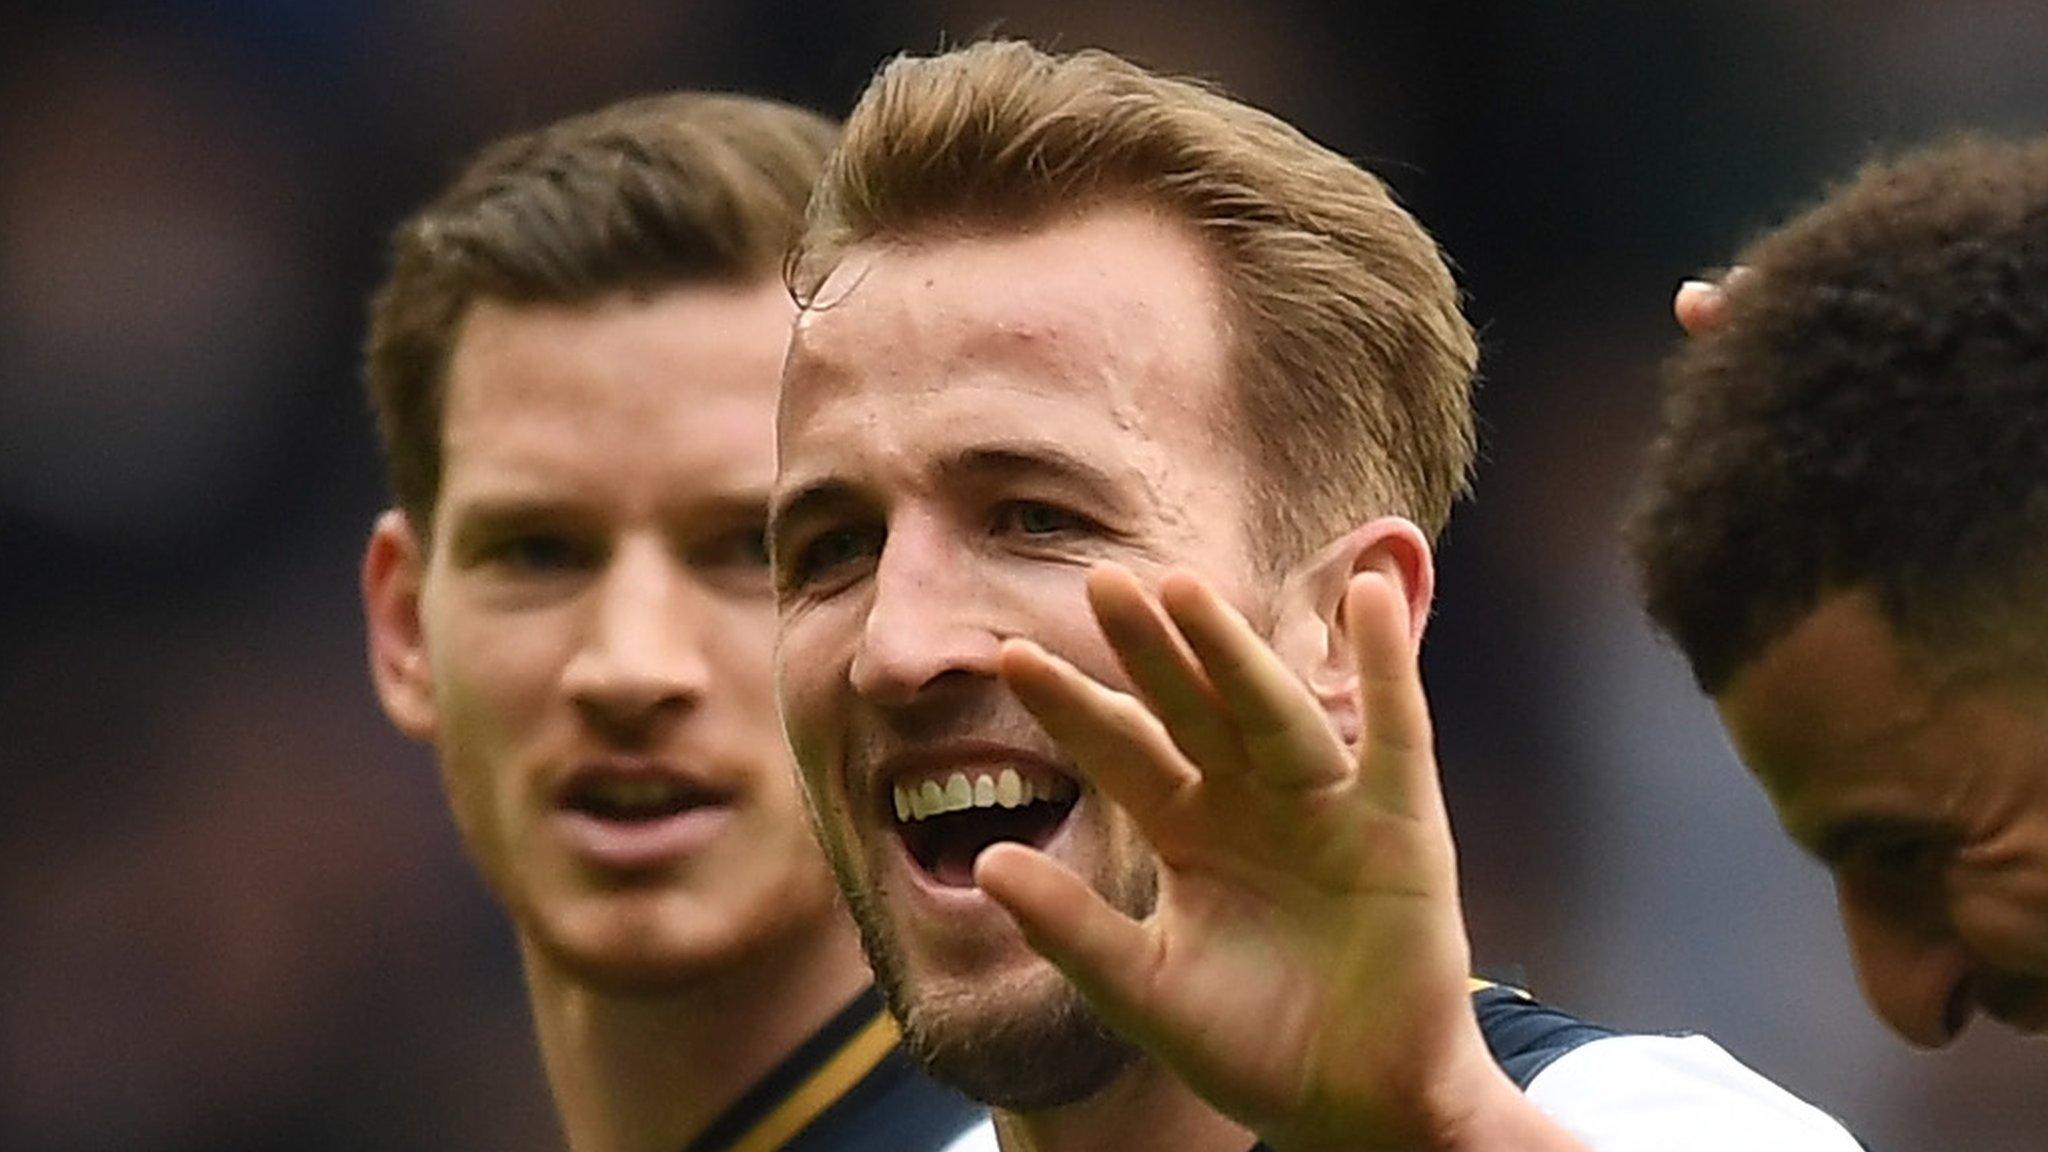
1023,1046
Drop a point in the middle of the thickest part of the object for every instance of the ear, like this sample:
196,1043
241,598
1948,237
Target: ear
1309,628
394,565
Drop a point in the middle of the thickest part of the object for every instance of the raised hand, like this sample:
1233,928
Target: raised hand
1306,967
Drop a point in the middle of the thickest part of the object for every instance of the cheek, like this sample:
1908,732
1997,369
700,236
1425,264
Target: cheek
802,678
1998,892
815,822
499,661
494,687
1047,603
471,786
1065,624
809,663
2003,917
740,646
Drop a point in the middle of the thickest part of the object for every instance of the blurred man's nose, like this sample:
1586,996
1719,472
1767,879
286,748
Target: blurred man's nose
642,654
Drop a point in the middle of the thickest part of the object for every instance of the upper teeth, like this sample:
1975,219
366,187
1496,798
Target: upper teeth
960,791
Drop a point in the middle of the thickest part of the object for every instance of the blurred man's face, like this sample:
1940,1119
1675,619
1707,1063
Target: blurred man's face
967,425
596,626
1927,798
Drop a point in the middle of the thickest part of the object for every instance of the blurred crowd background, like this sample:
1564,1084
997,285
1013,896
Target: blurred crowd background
232,912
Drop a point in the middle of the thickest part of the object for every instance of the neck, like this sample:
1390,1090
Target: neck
1146,1109
649,1071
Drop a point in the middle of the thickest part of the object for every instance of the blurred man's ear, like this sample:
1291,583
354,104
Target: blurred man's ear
394,564
1309,628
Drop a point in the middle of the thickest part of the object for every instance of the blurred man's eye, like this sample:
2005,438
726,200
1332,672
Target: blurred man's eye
736,560
539,553
1907,856
751,548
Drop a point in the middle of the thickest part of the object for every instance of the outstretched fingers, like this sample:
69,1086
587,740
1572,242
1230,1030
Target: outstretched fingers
1164,671
1110,957
1397,754
1285,733
1111,737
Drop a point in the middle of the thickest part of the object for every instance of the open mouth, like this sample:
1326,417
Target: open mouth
631,799
945,820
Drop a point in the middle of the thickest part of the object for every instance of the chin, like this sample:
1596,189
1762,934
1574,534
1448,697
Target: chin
1028,1044
627,946
647,977
1016,1035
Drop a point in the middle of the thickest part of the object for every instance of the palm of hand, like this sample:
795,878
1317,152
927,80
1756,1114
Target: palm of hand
1305,967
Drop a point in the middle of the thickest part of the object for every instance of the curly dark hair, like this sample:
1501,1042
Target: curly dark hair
1872,417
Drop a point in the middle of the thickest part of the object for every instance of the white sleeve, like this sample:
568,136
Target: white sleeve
1677,1094
980,1138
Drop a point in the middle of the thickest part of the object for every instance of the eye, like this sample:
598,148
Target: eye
1898,860
1905,856
743,548
736,560
824,556
1037,518
539,553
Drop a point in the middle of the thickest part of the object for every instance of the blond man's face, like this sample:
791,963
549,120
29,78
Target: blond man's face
966,427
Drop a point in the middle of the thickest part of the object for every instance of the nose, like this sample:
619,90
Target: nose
641,658
1914,971
923,627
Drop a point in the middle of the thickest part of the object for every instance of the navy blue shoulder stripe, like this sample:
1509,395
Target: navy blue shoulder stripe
895,1108
849,1088
1524,1036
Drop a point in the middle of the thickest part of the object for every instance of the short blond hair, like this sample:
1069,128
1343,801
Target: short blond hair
1353,361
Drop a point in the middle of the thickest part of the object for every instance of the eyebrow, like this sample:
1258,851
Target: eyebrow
983,463
1021,460
811,500
496,512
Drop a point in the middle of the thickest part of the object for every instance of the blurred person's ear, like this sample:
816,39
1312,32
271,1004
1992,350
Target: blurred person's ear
1310,631
393,565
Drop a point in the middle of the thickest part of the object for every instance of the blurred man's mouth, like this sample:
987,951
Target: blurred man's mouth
637,815
632,800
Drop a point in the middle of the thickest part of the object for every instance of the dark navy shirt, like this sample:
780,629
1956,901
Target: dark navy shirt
849,1088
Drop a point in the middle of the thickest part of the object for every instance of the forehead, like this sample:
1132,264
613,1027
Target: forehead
1111,323
680,382
1834,717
